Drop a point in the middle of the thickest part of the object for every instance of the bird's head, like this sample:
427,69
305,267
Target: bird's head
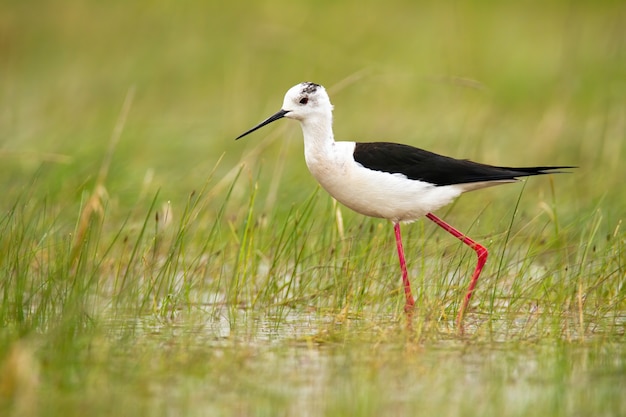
302,102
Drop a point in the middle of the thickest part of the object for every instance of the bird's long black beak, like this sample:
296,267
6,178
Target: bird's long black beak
267,121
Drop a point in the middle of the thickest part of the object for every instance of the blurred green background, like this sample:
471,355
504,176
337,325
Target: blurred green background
283,315
509,83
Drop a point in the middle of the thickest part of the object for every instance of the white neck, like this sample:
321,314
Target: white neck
318,135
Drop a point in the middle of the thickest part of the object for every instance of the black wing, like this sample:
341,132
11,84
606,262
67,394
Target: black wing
418,164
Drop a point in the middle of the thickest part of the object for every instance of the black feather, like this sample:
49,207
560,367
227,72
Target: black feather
418,164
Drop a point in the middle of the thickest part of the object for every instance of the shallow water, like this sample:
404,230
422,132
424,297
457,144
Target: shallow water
310,364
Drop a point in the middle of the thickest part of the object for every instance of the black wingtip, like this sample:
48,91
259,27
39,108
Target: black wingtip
550,170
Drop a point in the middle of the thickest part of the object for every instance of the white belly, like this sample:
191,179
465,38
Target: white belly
376,193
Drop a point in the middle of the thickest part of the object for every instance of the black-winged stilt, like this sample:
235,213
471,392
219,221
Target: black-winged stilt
389,180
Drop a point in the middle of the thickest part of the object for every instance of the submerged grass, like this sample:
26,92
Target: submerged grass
166,270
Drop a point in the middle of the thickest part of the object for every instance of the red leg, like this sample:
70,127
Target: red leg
410,302
481,252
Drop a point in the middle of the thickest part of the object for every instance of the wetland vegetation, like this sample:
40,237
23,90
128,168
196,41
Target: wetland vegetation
151,265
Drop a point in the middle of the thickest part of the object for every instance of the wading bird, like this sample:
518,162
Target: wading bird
389,180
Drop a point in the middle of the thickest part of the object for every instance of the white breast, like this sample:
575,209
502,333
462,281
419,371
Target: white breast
375,193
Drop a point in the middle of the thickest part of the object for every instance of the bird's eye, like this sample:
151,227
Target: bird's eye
304,100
